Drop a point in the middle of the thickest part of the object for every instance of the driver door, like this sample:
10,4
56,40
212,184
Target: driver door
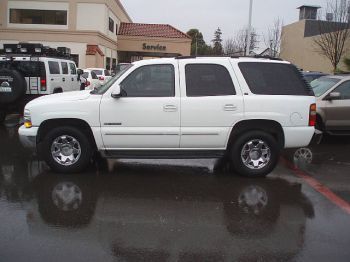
337,111
147,116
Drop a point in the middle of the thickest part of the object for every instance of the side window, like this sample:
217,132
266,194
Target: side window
93,75
344,90
150,81
54,68
274,79
73,69
64,66
208,80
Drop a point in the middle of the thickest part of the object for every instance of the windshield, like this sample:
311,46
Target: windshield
102,89
323,84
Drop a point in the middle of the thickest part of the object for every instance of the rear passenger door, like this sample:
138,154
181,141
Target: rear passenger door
211,103
55,76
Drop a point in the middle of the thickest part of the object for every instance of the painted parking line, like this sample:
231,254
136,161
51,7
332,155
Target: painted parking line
316,185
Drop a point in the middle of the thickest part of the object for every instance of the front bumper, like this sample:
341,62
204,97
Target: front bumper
27,136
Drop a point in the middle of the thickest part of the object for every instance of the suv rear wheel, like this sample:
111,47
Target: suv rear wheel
67,150
254,154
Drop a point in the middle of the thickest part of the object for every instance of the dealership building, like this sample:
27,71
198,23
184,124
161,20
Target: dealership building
100,33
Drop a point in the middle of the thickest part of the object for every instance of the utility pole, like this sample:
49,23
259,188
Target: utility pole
249,33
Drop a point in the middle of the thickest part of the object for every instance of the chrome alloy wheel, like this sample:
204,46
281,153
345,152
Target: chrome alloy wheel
66,150
67,196
255,154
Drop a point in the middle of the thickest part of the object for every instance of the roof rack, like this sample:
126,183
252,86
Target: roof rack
256,56
35,49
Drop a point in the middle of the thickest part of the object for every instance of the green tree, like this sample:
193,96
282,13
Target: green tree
217,42
198,45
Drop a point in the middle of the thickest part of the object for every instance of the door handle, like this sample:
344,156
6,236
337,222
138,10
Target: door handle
170,108
72,78
230,107
63,79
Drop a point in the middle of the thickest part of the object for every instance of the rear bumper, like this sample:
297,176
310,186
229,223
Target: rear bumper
27,136
298,136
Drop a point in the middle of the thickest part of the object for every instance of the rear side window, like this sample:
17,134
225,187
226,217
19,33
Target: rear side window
208,80
274,79
73,69
94,76
54,68
64,66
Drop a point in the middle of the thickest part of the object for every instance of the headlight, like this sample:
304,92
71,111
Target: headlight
27,119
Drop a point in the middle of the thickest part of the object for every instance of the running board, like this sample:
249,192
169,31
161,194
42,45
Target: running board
163,154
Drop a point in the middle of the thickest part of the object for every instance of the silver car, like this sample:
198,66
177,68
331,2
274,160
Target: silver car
333,104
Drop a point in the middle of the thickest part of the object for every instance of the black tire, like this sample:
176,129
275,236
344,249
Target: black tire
85,146
2,116
13,81
241,168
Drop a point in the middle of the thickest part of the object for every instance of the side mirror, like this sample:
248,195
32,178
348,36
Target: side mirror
333,96
117,92
80,71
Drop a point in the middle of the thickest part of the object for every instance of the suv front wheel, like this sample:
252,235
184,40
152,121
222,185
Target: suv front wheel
67,150
254,154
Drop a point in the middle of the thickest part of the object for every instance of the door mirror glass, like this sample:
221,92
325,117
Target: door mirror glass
333,96
116,92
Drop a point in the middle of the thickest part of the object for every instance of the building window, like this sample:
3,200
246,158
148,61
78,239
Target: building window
114,64
116,29
39,17
111,25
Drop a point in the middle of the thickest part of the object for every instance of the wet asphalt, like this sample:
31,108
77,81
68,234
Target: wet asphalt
172,210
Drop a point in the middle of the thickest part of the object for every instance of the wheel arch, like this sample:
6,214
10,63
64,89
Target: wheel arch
82,125
270,126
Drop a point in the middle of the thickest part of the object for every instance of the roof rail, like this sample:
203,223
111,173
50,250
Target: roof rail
256,56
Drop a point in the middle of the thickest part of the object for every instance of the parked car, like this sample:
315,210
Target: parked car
103,74
311,76
333,103
92,80
28,71
229,107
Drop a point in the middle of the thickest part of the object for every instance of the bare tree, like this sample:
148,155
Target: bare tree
230,47
273,38
241,41
334,34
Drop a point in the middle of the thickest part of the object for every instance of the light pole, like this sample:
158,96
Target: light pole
249,33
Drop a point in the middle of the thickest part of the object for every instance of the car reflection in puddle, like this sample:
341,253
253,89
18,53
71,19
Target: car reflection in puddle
149,212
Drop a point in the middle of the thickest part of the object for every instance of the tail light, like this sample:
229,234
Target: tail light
312,115
43,84
101,78
87,83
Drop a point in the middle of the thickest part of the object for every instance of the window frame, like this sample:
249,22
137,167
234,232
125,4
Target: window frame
143,66
210,64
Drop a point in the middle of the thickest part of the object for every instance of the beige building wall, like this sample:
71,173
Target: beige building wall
303,52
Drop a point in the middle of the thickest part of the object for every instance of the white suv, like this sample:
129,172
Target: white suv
245,109
24,77
103,74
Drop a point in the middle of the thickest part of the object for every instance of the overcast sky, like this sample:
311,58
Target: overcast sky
207,15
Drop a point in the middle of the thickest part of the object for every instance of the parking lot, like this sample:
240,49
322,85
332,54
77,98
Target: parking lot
191,210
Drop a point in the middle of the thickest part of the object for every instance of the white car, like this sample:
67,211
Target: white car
103,74
92,80
26,74
244,109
